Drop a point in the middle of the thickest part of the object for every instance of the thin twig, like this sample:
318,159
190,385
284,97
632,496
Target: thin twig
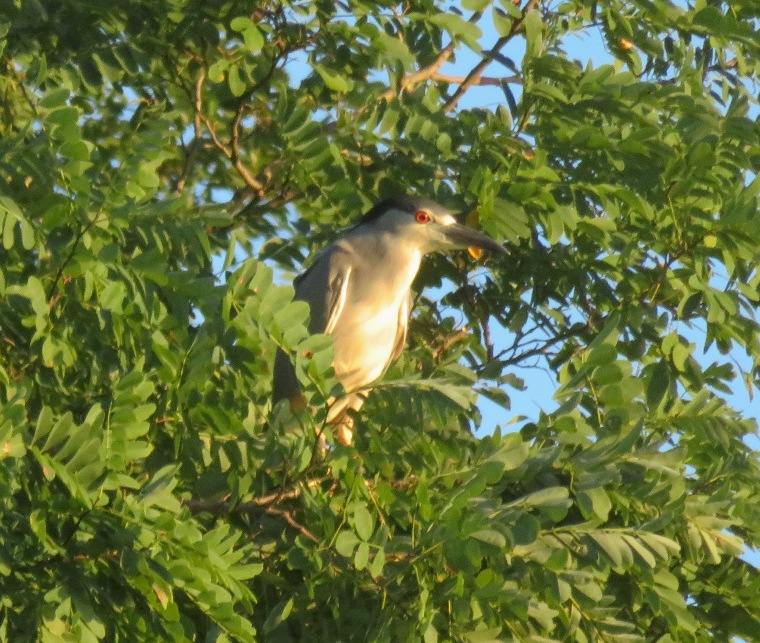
573,331
450,341
219,507
222,507
288,518
196,143
249,179
426,73
199,103
265,504
483,80
72,252
475,74
487,336
229,152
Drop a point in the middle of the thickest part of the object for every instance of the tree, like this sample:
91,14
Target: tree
147,489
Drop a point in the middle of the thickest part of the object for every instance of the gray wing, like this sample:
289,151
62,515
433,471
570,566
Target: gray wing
323,286
403,323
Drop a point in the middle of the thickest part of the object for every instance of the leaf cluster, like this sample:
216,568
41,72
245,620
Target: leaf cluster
163,164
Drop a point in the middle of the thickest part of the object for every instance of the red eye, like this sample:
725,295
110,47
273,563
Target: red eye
422,217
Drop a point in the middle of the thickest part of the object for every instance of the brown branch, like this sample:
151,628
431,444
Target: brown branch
249,179
220,507
265,504
450,341
483,80
575,330
230,152
422,75
70,256
196,144
199,103
426,73
288,518
487,337
217,142
475,74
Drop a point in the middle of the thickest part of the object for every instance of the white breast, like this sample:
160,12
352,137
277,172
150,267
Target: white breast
365,337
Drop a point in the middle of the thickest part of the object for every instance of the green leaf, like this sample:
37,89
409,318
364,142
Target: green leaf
64,117
363,522
235,80
378,563
241,24
361,557
458,27
391,48
533,33
75,151
55,98
252,36
217,71
595,503
346,543
112,296
641,551
525,530
549,496
501,21
659,383
11,445
490,537
332,80
615,547
475,5
278,615
485,635
57,432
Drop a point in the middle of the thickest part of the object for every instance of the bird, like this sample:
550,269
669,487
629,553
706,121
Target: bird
359,292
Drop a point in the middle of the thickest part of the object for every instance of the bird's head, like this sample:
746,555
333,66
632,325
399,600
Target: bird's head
426,225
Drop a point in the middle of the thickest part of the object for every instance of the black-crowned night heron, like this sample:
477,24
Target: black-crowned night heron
358,289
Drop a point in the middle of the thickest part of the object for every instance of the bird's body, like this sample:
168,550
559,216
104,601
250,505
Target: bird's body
359,292
374,334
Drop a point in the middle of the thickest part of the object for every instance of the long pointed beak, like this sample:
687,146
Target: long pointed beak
463,237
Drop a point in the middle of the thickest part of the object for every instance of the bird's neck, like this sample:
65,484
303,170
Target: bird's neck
393,262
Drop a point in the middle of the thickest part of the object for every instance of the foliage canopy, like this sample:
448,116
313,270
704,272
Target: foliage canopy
148,490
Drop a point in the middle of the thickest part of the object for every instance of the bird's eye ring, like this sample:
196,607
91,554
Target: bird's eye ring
422,217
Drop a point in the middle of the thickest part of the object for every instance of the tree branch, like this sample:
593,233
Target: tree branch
265,504
199,103
231,151
426,73
483,80
196,144
573,331
288,518
221,507
475,74
449,341
249,179
69,257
